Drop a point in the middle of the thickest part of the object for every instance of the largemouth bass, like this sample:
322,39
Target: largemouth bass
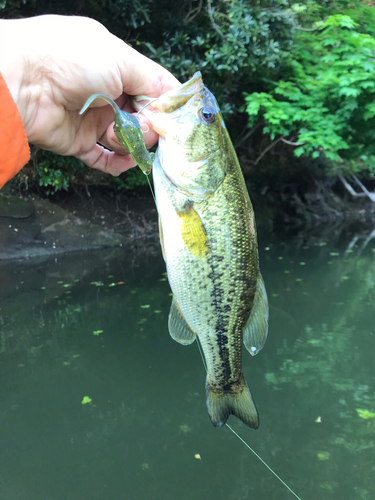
209,243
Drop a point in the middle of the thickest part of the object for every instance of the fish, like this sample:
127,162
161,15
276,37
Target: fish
128,133
209,243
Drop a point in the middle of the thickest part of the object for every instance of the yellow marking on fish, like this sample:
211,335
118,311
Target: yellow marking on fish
193,233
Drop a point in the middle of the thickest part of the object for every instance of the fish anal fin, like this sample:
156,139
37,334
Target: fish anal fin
179,330
256,329
238,402
193,232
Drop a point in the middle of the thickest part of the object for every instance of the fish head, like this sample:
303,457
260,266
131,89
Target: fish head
192,136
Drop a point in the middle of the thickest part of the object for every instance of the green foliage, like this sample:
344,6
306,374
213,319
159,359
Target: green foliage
326,105
365,414
118,16
252,37
306,70
131,179
57,172
231,42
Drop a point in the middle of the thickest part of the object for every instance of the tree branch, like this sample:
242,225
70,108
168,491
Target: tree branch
193,12
364,189
270,146
292,143
249,134
349,188
214,25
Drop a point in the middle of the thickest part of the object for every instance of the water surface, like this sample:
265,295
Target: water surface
95,325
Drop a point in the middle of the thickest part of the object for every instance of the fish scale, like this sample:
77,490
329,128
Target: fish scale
236,291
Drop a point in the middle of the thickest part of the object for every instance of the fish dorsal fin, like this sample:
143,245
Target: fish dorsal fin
161,237
179,330
256,329
193,232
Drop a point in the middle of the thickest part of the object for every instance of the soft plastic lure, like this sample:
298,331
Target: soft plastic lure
128,133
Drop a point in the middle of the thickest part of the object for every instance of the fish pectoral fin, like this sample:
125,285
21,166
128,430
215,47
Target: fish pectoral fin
193,232
179,330
161,238
256,329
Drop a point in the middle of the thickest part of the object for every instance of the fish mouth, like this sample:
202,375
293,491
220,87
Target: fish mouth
154,109
173,99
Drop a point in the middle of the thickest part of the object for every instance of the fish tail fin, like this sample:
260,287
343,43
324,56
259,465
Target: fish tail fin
236,401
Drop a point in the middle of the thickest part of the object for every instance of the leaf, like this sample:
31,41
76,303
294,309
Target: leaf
86,400
365,414
349,91
299,151
97,332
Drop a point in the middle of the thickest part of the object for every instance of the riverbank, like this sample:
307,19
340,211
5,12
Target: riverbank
33,226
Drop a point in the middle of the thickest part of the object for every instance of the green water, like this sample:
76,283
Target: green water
138,437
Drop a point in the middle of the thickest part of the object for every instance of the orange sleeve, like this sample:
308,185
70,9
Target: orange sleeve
14,148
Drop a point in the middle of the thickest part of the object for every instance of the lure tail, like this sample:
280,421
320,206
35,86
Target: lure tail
236,401
100,96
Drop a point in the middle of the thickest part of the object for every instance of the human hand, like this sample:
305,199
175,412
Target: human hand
52,64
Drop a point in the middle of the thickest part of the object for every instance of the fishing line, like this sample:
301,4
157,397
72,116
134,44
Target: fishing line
205,367
243,441
145,106
152,191
263,462
201,353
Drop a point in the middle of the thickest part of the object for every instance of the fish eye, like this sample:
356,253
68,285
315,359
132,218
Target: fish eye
208,115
